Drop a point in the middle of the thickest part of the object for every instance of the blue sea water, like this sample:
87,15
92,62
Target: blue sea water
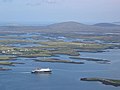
64,76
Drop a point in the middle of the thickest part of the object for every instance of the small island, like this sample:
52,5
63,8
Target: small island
7,57
112,82
4,69
10,63
54,60
100,61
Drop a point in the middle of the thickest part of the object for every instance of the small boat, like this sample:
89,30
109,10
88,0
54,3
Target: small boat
42,70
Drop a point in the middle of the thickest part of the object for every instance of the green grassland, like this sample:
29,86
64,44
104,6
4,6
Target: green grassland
51,48
6,57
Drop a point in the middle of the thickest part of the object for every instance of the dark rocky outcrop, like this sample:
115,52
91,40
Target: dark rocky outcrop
112,82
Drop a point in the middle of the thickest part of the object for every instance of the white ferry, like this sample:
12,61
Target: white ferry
42,70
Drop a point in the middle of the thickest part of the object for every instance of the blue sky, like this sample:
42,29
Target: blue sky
45,11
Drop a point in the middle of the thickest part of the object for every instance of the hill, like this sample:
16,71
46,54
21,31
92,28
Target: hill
106,25
63,27
70,27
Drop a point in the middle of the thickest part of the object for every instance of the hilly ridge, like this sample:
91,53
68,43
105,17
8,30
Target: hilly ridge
63,27
70,26
106,25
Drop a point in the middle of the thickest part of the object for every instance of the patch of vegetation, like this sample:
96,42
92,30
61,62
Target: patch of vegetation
7,63
6,57
52,48
13,41
76,45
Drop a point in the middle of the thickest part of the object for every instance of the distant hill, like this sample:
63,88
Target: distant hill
69,24
76,27
118,23
70,27
65,27
106,25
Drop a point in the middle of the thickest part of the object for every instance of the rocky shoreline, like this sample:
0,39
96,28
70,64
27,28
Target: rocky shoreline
54,60
112,82
100,61
4,69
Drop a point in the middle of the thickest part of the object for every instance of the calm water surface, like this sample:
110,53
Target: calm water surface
64,76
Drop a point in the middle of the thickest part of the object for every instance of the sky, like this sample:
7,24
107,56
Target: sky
50,11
